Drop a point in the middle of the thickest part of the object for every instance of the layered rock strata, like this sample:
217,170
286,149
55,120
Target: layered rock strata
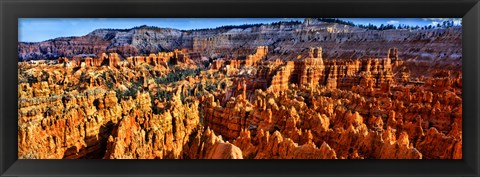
170,106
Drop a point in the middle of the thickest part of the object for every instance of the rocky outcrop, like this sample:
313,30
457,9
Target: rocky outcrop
439,145
68,126
207,145
229,120
209,98
98,112
276,147
337,40
143,135
311,71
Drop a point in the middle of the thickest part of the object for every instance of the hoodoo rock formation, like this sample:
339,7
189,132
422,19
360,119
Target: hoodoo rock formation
321,94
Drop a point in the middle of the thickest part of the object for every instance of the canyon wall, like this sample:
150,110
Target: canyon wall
338,41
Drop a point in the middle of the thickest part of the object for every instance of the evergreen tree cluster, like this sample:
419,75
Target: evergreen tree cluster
134,88
177,75
444,24
245,26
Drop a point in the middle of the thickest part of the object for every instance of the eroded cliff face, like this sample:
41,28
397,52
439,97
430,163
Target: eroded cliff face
251,103
104,108
286,38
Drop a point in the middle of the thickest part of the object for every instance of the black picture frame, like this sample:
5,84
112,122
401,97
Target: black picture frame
11,10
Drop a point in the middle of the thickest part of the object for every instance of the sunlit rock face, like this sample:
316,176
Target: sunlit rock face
337,40
206,98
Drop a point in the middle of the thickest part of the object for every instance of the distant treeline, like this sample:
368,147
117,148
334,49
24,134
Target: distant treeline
226,27
445,24
128,29
245,26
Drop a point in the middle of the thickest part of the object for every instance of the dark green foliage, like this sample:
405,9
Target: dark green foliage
134,88
292,22
245,26
25,78
206,64
108,77
177,75
445,24
125,94
31,79
128,29
109,83
160,95
84,78
211,86
216,74
335,20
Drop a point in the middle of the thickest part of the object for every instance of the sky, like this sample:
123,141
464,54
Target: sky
41,29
